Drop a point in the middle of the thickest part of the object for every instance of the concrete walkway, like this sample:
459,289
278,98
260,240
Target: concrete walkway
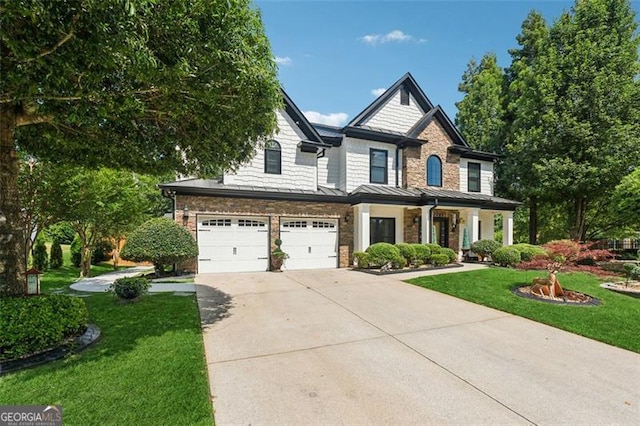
101,283
344,347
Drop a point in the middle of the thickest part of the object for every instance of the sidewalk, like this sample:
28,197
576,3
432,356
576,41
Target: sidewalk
101,283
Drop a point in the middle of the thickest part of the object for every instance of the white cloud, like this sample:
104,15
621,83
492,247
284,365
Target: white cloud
378,92
332,119
283,60
395,36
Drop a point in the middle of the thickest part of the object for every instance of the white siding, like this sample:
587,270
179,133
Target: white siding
329,168
299,169
357,162
486,175
396,117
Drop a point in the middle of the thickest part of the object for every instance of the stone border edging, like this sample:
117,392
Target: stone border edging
80,343
516,291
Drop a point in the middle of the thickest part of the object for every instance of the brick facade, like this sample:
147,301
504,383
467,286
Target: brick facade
274,210
454,237
411,229
415,160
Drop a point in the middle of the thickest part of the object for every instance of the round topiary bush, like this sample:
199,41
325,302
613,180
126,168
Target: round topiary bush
29,325
451,254
485,248
361,259
434,248
529,251
160,241
382,253
408,252
130,287
422,253
506,256
439,259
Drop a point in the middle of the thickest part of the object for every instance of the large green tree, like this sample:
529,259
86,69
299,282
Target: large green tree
148,85
480,116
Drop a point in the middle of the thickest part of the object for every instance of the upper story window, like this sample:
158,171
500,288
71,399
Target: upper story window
473,177
404,96
434,171
272,158
378,166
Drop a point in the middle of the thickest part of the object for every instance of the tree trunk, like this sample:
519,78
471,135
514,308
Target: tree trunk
578,219
85,262
533,220
12,240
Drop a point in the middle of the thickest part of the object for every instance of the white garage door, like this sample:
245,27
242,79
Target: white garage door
233,244
310,243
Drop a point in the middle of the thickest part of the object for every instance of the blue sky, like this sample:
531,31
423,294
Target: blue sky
333,55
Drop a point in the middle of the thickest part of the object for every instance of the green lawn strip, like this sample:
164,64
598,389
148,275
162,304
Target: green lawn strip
148,368
614,322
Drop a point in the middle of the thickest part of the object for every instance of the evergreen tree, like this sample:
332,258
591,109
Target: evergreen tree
55,257
40,257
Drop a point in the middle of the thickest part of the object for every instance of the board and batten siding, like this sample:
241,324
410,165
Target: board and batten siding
486,175
356,165
299,170
395,116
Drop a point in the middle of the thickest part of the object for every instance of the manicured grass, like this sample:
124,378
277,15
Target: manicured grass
148,367
614,322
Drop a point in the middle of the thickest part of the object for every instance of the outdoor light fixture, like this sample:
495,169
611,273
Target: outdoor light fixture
185,216
454,222
33,281
347,217
416,219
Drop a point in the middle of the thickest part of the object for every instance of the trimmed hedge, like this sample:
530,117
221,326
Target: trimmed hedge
408,252
485,248
130,287
361,259
451,254
382,253
506,256
29,325
439,259
422,253
528,251
434,248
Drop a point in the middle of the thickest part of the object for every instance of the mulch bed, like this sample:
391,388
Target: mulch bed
574,298
422,268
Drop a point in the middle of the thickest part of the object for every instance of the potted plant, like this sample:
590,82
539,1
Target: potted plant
278,256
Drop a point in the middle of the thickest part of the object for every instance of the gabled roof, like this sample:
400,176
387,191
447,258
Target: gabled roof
406,81
445,121
301,121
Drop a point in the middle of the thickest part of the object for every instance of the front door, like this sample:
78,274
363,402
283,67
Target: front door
441,226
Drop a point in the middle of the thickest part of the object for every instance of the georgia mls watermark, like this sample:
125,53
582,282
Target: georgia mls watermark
31,415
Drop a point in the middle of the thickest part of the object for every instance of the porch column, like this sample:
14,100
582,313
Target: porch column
507,228
361,227
426,224
472,220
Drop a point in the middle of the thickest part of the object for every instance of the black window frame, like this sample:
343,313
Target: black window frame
375,225
439,174
272,156
476,187
372,151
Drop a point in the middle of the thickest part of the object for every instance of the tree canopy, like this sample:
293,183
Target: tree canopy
154,86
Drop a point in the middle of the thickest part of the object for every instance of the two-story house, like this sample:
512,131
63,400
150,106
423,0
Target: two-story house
398,172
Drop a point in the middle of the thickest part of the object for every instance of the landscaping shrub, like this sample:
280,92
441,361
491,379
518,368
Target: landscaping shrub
507,256
439,259
55,257
361,259
422,253
382,253
130,287
635,273
160,241
529,251
62,232
485,248
40,257
433,248
33,324
409,253
451,254
102,251
76,251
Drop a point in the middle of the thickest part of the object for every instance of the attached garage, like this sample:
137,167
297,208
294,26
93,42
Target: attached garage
232,244
310,243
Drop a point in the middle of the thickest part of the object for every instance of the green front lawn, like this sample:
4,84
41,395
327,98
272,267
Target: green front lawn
614,322
147,368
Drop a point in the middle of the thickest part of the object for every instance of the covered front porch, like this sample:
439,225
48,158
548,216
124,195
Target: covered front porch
433,223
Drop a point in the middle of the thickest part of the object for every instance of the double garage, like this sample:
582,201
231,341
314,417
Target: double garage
242,243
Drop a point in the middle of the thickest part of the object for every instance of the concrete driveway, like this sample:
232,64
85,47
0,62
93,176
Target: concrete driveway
344,347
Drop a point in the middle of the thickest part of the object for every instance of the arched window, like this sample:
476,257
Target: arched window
272,158
434,171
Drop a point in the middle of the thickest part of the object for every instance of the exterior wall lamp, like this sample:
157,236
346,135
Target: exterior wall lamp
347,217
416,219
185,216
454,222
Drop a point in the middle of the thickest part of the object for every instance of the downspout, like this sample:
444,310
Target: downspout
397,157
